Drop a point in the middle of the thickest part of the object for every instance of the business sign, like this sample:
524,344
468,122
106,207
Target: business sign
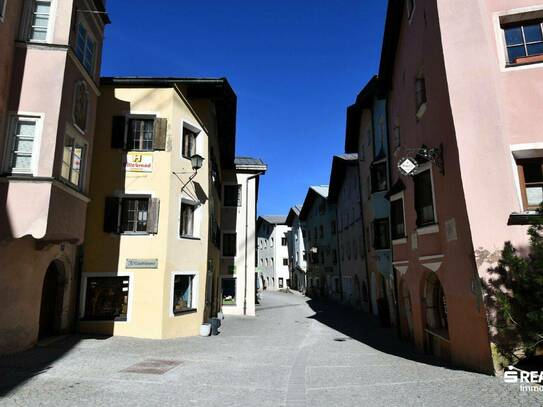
407,166
141,263
139,161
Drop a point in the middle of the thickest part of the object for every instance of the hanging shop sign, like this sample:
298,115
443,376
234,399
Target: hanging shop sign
141,263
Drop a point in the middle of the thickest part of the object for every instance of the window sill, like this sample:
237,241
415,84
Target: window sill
135,234
84,319
399,241
184,312
189,238
428,229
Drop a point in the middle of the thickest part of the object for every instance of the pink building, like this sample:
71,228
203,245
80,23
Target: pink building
49,70
464,75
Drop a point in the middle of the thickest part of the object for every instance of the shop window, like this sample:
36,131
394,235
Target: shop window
228,291
381,239
424,199
106,298
232,195
531,182
397,219
183,293
229,243
379,177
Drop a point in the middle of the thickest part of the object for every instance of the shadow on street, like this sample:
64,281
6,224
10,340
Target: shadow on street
365,328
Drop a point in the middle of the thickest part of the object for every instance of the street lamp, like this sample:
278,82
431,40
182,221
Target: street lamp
197,161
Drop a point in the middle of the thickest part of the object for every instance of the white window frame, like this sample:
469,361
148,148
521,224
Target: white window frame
394,198
519,152
195,292
136,115
199,140
90,34
240,198
426,230
83,299
82,176
13,118
26,28
196,222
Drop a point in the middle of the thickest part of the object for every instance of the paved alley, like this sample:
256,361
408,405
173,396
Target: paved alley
294,353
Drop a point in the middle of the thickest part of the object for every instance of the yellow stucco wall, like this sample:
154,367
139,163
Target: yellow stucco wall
150,291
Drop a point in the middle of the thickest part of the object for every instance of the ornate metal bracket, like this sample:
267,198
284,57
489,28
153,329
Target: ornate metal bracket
408,165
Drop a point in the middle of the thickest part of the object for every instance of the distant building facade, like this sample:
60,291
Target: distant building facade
239,204
50,58
297,253
345,194
272,251
319,221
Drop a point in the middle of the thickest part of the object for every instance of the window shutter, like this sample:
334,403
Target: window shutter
117,132
159,136
152,216
111,215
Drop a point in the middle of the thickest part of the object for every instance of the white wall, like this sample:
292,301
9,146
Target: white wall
271,254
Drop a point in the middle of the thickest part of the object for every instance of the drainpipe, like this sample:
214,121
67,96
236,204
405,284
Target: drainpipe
247,235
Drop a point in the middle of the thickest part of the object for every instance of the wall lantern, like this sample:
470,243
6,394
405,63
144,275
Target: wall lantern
197,161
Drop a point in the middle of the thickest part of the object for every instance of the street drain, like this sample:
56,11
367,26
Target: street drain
340,339
152,366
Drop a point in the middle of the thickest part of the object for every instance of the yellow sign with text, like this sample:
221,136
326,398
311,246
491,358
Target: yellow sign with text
139,161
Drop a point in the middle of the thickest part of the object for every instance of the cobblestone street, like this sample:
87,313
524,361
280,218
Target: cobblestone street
294,353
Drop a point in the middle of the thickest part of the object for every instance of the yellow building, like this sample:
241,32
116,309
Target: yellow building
151,264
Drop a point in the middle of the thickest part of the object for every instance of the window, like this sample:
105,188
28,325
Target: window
334,256
531,182
106,298
285,262
272,241
85,48
380,234
271,262
305,256
410,8
228,291
81,104
183,299
283,241
140,134
23,140
420,96
232,195
2,9
397,219
189,143
73,161
333,227
280,282
379,177
131,214
39,21
187,227
523,42
229,248
424,201
134,214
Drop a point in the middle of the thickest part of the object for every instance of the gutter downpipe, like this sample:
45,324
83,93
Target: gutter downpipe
247,235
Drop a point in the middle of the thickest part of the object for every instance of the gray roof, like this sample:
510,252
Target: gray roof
349,157
322,190
275,219
297,209
249,163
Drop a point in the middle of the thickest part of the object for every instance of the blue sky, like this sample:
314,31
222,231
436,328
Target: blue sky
295,66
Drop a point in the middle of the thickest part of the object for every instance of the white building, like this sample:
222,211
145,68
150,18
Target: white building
238,224
296,247
272,253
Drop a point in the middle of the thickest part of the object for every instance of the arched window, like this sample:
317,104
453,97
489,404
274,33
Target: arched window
436,304
81,105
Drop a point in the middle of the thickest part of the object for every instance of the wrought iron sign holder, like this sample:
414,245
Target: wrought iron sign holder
408,165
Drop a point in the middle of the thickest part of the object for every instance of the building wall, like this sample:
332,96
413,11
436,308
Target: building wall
297,254
271,254
150,292
242,221
352,251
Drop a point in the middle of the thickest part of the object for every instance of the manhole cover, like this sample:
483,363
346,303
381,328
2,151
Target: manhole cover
152,366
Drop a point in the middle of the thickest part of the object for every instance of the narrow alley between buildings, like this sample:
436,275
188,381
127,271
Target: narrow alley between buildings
296,352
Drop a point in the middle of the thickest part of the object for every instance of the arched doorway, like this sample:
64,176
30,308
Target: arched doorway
406,311
437,320
52,300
